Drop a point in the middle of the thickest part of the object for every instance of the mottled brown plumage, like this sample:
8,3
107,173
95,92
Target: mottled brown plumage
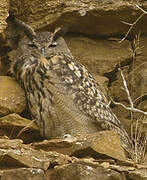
62,95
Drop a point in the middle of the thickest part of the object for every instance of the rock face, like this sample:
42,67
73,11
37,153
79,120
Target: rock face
94,29
12,97
51,165
85,16
22,173
99,55
86,172
4,13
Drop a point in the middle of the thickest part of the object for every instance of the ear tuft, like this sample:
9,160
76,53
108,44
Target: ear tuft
29,31
59,32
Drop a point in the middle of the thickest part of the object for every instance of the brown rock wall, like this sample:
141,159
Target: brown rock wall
4,13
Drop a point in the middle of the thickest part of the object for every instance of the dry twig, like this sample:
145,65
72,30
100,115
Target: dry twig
131,108
25,128
133,24
140,141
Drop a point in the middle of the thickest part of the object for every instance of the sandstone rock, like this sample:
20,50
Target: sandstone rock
12,97
108,143
103,81
58,145
79,169
132,173
122,168
101,56
15,120
22,158
86,16
85,172
98,145
54,166
87,168
16,126
22,173
4,13
15,154
6,143
139,174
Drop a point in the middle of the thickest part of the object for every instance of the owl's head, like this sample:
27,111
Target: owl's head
35,45
46,43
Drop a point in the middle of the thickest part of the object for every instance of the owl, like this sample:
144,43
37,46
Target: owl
62,95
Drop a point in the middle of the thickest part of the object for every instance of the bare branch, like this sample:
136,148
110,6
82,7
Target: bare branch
124,22
108,103
126,88
145,12
128,108
131,108
132,24
139,98
25,128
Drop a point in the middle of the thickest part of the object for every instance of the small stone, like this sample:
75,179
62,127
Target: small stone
69,138
105,165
